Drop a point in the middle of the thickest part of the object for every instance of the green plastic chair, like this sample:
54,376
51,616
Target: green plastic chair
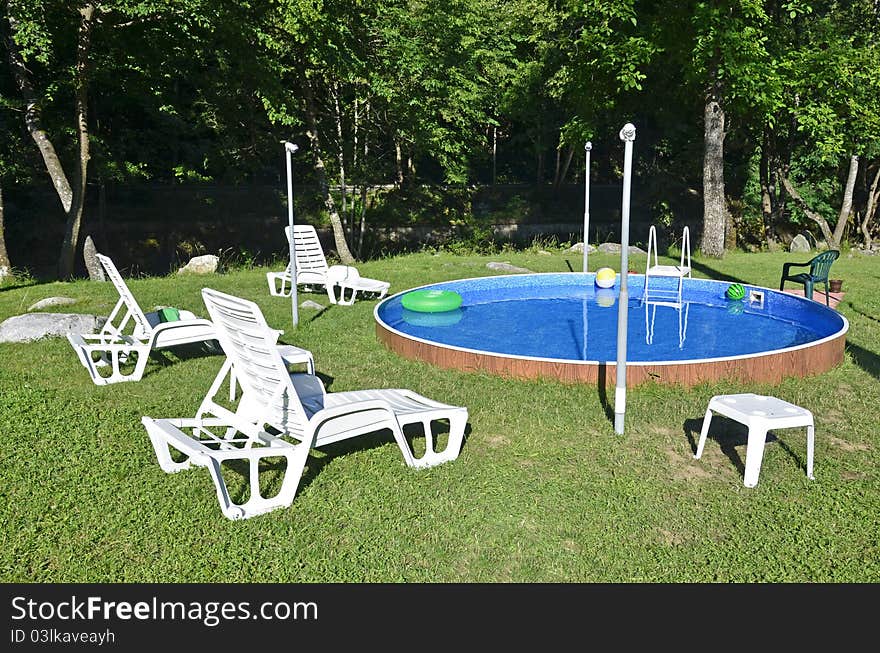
819,267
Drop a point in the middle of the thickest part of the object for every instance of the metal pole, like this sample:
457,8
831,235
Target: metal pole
588,146
289,149
627,135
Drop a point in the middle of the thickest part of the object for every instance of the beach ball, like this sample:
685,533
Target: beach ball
736,291
605,297
605,277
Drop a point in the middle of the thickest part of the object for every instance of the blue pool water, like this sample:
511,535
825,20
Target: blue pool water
566,317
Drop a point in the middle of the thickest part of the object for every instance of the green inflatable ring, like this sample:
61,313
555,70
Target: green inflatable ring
431,301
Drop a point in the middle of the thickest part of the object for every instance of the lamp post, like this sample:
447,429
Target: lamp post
627,135
289,149
587,147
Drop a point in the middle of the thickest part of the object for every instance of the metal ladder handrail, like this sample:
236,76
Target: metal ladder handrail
681,269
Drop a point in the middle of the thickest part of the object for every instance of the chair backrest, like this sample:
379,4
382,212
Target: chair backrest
309,253
142,325
250,345
820,265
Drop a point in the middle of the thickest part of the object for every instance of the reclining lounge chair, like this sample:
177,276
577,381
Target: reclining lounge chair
312,270
122,347
283,415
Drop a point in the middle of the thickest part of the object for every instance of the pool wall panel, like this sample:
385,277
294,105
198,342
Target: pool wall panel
763,368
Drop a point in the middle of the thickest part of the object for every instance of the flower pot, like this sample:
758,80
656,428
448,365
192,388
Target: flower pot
834,285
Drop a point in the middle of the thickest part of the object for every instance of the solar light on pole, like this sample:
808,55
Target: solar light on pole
627,135
587,147
290,149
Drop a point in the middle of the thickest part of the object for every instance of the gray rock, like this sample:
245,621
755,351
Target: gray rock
96,272
614,248
33,326
52,301
578,248
205,264
310,304
505,267
799,244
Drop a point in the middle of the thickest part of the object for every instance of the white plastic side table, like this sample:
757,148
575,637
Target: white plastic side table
760,414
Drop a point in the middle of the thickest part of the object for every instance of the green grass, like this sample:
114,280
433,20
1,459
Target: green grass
543,491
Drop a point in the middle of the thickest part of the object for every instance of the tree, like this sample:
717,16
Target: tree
53,48
28,38
829,104
730,59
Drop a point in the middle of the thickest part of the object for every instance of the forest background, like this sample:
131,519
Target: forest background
155,126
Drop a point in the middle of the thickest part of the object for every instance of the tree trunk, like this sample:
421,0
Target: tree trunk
355,136
398,161
363,226
321,173
815,217
846,204
871,209
74,216
766,192
71,197
5,265
340,149
494,153
364,187
557,168
714,209
33,118
566,165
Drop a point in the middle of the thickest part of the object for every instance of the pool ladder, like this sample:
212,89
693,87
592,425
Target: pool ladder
660,296
652,298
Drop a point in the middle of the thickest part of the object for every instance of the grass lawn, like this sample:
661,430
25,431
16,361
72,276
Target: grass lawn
543,491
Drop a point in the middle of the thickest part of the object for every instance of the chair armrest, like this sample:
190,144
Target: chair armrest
787,266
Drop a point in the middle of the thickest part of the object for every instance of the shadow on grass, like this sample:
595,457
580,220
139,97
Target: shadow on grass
239,488
862,313
712,273
381,438
603,392
18,286
184,352
867,360
729,434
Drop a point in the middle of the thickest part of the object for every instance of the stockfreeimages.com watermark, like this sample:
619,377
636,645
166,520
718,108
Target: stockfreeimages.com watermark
208,613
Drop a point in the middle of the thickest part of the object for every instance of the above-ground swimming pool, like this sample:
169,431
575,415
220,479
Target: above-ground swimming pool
564,326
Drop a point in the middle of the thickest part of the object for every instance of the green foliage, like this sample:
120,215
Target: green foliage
411,92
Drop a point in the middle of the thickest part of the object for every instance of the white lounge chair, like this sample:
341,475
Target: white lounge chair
312,270
122,347
283,415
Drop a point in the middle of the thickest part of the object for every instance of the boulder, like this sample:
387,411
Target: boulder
310,304
33,326
205,264
614,248
578,248
52,301
799,244
505,267
96,272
